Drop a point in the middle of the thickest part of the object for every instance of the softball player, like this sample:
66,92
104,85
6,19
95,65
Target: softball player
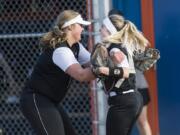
121,36
61,59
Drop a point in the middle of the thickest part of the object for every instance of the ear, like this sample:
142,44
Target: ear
69,28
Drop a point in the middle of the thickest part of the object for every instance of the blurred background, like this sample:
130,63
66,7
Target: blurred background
23,22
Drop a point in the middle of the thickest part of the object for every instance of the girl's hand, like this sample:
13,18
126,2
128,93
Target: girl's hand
104,70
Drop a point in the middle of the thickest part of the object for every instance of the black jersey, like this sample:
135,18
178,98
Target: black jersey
47,78
128,83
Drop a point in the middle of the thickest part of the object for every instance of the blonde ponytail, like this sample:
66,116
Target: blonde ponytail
127,35
57,34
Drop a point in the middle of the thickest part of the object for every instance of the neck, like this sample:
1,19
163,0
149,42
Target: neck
70,39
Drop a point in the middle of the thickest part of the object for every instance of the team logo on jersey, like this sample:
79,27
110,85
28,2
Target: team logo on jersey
117,71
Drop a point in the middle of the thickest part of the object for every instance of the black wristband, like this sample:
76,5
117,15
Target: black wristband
116,72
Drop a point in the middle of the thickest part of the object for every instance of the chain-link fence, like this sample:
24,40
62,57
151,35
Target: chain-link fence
21,25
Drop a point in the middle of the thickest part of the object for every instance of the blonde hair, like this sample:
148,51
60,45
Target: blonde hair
127,35
57,34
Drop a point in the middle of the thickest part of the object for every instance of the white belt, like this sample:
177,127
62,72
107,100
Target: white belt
113,93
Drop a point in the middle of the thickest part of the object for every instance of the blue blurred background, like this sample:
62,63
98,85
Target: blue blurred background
167,40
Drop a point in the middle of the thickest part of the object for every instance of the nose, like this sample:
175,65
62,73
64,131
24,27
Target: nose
82,27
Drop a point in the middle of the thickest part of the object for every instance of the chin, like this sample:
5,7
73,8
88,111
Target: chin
78,39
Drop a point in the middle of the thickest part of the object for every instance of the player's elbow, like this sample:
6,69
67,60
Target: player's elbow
118,57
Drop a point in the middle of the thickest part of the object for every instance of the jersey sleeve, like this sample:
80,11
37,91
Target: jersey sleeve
63,57
84,55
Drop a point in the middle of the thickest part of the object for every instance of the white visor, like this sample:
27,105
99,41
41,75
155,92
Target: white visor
77,19
108,24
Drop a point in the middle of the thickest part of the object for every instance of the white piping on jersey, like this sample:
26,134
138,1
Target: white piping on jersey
119,82
131,62
39,113
113,93
131,69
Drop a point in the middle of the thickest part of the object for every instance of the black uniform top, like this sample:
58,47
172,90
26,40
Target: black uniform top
47,78
128,83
